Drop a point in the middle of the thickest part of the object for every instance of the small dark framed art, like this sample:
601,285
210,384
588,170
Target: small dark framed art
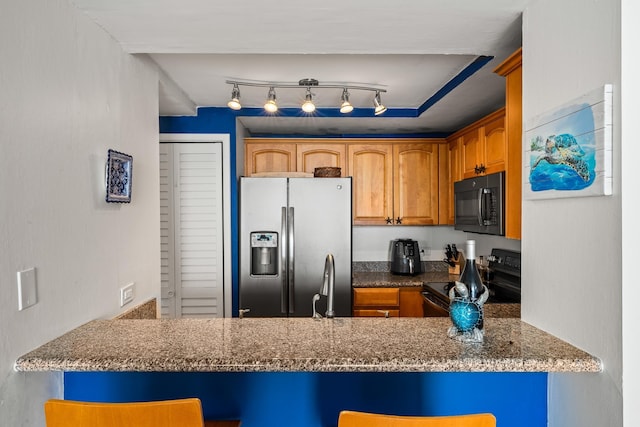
118,177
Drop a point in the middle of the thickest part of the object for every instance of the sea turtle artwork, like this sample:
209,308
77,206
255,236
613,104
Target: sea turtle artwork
561,165
564,150
467,316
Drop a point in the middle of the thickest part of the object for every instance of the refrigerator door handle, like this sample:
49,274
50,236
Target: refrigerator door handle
292,260
283,261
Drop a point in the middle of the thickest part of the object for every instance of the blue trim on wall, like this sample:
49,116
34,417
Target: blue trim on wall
479,62
305,399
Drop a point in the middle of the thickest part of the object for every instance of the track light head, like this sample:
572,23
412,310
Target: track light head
308,106
379,108
234,103
271,106
346,106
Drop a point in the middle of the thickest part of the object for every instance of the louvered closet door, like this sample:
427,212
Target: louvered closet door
167,270
197,230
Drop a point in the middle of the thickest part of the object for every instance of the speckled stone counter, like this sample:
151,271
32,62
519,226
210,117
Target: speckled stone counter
290,345
385,279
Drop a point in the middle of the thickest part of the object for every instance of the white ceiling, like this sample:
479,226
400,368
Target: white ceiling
410,48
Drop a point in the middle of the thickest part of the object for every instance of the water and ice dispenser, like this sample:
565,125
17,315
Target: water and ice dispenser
264,253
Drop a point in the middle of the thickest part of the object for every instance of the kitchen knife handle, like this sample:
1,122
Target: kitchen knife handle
283,261
292,261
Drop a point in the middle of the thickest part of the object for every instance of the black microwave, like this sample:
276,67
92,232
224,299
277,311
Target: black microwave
479,204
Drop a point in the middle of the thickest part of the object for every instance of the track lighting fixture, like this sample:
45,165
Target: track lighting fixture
308,106
234,103
379,108
271,105
346,106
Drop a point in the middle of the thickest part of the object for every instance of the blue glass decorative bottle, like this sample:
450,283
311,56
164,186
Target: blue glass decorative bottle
470,275
467,299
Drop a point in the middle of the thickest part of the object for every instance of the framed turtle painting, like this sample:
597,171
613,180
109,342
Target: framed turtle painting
118,176
568,150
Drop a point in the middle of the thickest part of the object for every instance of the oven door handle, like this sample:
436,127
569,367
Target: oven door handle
434,307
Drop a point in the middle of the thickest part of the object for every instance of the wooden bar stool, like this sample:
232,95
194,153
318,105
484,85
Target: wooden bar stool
364,419
167,413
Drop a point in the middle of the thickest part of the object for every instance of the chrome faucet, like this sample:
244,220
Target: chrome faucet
329,284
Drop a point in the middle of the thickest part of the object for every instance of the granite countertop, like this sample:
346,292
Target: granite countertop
385,279
303,344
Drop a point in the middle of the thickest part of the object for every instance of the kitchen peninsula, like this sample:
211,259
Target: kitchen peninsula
302,371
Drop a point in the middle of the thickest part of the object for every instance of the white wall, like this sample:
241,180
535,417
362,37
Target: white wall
572,280
69,93
631,236
373,243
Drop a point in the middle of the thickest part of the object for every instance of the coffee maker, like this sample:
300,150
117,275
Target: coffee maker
405,257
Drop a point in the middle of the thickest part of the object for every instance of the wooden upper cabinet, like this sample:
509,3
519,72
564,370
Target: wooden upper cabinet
495,145
484,146
455,173
472,153
371,167
415,184
511,69
393,182
276,157
312,155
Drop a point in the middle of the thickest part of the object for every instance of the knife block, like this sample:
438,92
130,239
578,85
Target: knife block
456,269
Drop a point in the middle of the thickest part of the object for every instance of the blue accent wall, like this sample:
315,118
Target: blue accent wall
305,399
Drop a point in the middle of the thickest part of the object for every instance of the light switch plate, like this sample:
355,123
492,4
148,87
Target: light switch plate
127,294
27,288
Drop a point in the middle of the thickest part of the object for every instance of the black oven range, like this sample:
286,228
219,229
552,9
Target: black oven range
503,284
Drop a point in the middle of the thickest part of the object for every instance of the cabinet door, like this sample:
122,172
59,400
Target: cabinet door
269,158
311,156
371,168
411,302
455,173
472,152
415,189
495,146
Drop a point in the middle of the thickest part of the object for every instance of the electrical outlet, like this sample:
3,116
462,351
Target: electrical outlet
127,294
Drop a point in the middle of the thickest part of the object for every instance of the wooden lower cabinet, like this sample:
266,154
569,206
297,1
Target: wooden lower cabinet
411,302
391,302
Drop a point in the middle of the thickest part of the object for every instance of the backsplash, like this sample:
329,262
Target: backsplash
385,266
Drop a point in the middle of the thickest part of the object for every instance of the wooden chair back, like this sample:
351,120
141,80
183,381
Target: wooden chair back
364,419
166,413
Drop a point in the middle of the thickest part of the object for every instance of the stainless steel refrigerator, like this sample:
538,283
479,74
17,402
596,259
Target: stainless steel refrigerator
288,226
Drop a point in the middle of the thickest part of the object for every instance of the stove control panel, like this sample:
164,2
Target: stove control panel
505,260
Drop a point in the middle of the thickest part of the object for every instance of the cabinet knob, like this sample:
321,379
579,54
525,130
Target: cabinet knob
398,220
385,312
389,220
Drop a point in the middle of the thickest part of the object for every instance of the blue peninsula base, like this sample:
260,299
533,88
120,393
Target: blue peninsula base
309,399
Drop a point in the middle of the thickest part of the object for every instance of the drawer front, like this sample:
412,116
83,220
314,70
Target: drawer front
376,313
376,297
